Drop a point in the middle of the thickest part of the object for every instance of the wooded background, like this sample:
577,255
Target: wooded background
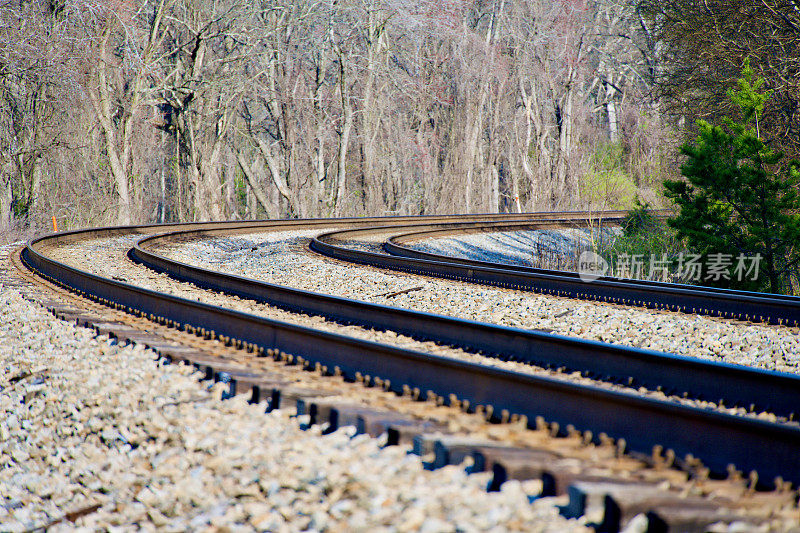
131,111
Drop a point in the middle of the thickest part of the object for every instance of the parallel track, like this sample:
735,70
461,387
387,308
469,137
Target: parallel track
743,305
737,385
718,439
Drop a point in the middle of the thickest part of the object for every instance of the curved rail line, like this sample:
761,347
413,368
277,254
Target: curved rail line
743,305
395,245
737,385
773,449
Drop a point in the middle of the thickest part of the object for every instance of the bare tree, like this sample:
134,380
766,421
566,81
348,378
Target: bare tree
189,110
703,45
38,72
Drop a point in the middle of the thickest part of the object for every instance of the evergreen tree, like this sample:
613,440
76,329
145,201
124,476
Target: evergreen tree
740,197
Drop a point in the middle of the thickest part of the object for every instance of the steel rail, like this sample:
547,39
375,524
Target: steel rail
778,309
716,438
395,245
66,237
775,392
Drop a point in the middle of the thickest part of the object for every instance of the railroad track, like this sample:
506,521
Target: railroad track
772,448
727,303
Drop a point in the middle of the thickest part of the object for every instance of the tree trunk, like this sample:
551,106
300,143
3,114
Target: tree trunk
212,174
321,174
250,177
611,108
5,197
101,101
536,137
494,150
515,192
277,178
34,185
472,148
494,194
344,141
371,113
561,189
341,177
118,138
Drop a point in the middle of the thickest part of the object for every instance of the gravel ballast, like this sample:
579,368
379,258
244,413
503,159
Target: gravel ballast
109,260
88,423
512,247
119,468
278,258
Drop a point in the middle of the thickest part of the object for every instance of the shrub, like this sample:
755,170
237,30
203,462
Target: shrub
740,199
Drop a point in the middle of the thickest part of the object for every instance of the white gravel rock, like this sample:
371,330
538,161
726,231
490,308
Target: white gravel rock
277,257
84,422
514,247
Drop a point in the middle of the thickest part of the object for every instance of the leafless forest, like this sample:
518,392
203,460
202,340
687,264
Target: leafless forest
133,111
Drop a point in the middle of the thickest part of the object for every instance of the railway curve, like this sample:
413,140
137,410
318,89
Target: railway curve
726,303
718,438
